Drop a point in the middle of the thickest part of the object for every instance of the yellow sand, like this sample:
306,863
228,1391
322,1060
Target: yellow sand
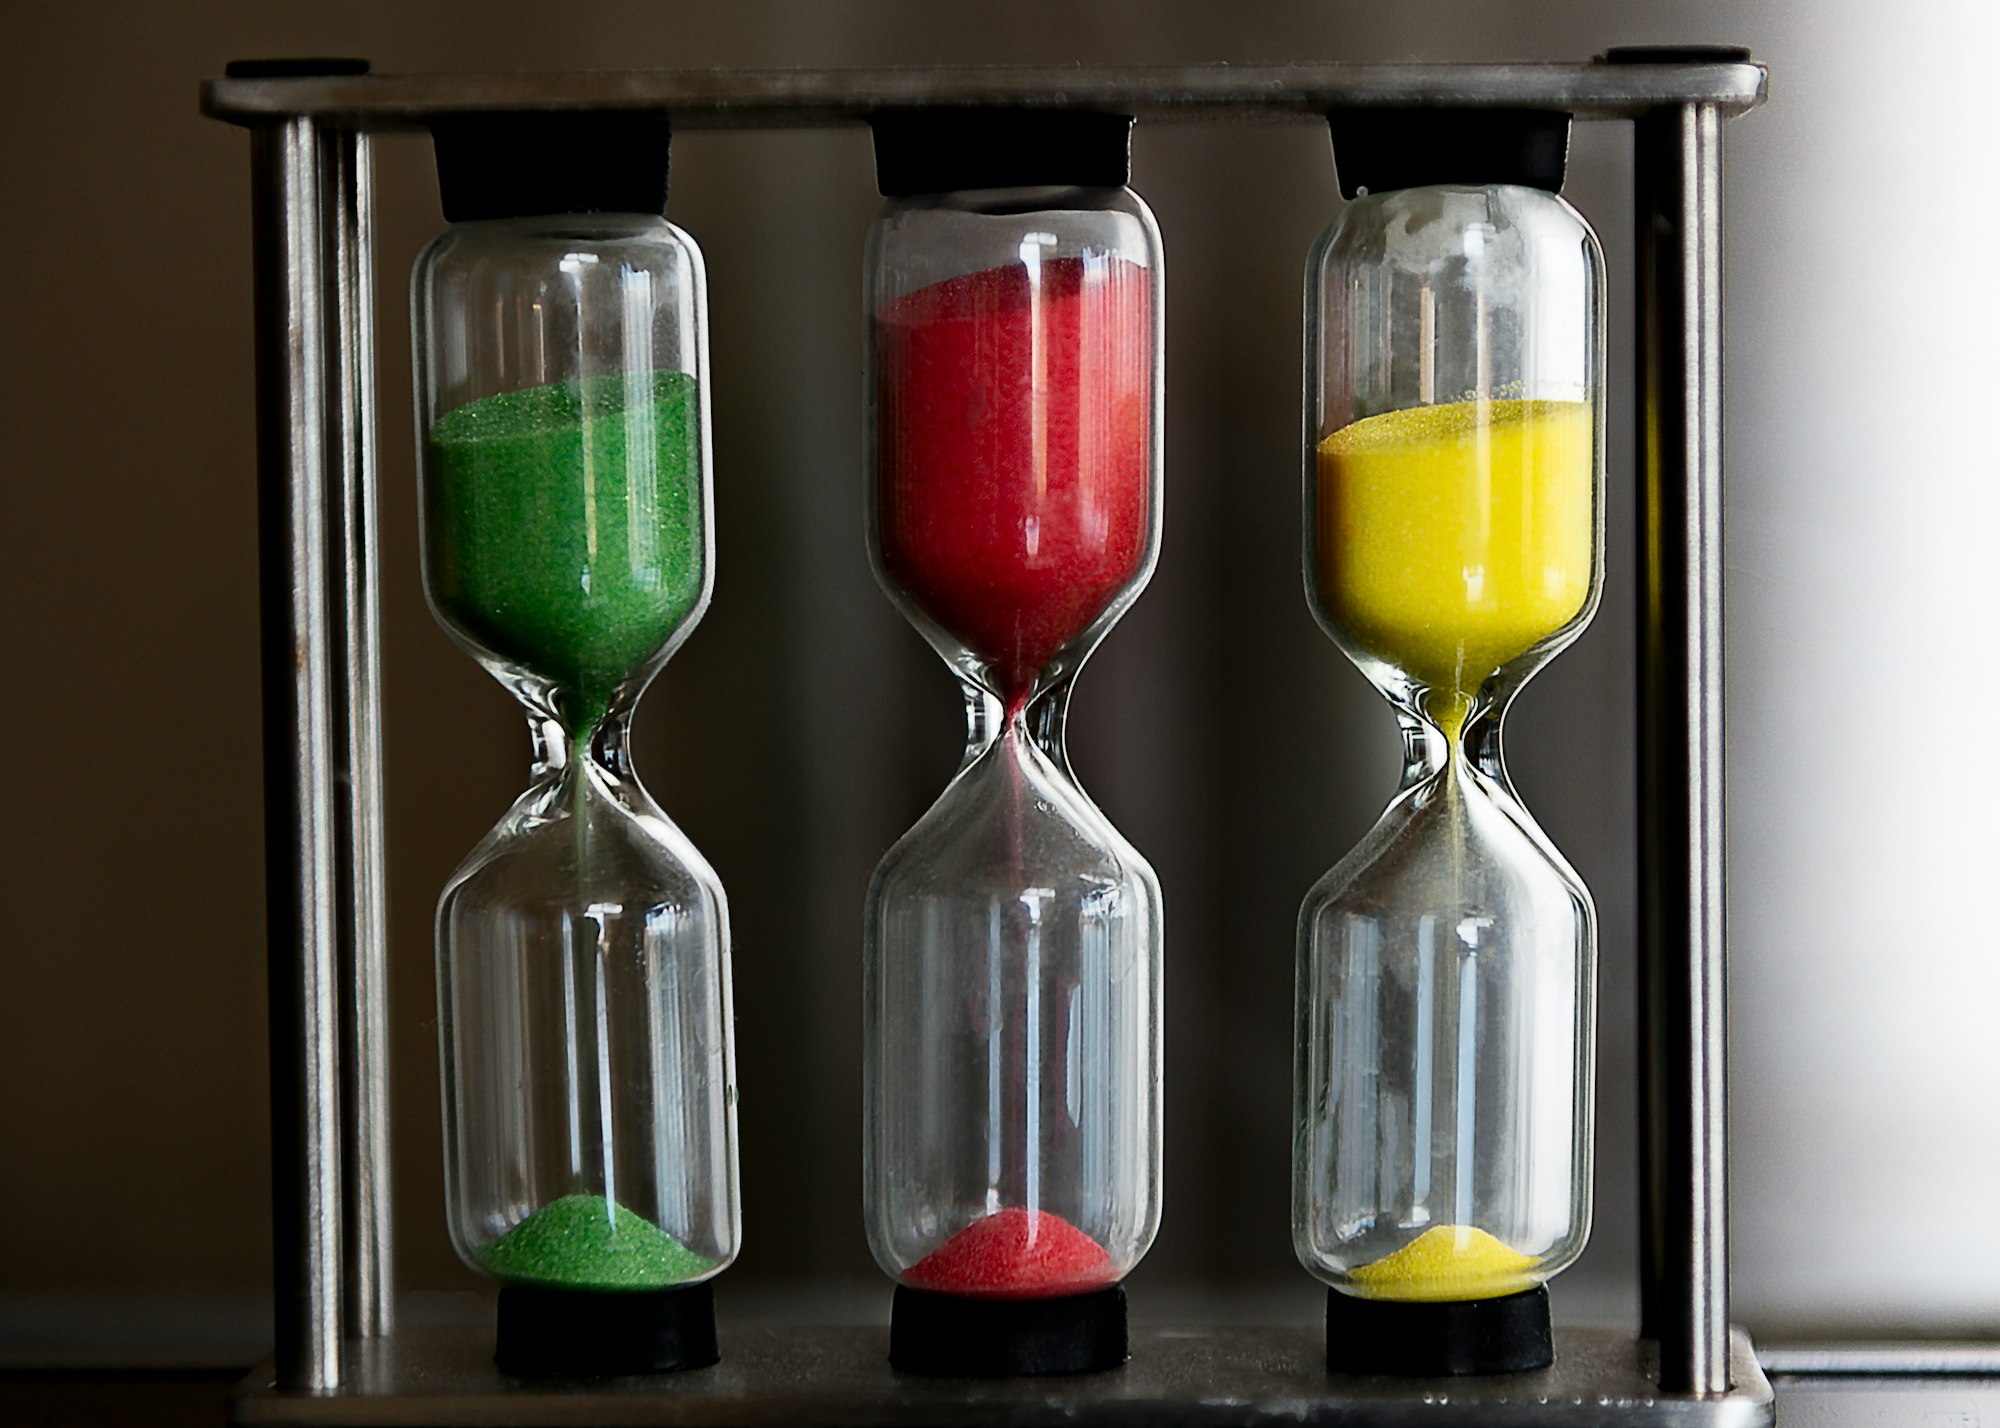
1447,1262
1452,538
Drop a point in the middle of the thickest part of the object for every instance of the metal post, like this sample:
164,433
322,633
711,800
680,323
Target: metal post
361,922
1684,1100
298,751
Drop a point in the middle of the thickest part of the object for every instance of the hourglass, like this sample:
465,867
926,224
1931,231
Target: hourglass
583,946
1446,966
1012,939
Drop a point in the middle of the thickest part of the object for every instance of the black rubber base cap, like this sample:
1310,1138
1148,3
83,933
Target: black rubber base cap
1378,1336
951,1337
568,1333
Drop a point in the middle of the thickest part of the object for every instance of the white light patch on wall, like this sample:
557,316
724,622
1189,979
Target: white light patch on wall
1864,554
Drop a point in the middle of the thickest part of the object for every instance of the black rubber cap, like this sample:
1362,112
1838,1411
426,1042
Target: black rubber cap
292,68
569,1333
950,1337
1376,150
942,150
1379,1336
513,165
1676,54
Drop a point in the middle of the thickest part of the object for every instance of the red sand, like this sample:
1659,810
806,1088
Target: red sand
1015,1254
1014,464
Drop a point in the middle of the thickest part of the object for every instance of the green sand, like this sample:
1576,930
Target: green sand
565,527
585,1242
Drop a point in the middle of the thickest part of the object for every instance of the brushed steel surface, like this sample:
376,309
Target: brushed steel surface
1707,1185
352,600
841,1377
1683,1029
288,243
772,98
1914,1358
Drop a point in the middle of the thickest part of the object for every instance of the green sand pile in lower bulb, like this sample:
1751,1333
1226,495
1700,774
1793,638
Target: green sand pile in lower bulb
586,1242
564,527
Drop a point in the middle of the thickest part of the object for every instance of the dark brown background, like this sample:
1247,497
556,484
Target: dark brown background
803,726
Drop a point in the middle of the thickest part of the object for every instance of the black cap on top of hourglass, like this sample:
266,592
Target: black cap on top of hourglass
1676,54
295,68
518,165
938,150
1379,149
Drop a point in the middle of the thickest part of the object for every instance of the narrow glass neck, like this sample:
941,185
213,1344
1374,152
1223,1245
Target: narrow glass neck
1450,742
605,743
1040,723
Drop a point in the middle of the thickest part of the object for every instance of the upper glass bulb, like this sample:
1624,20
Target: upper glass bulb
1014,374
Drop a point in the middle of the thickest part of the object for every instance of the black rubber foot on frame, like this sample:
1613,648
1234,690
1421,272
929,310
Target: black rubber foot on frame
573,1333
945,1335
1379,1336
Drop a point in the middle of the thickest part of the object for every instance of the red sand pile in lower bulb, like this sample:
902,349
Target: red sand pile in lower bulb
1015,1254
1015,407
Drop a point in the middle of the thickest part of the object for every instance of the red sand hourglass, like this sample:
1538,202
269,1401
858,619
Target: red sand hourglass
1012,945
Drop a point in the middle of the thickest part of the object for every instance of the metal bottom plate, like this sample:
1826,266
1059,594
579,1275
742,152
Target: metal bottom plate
841,1377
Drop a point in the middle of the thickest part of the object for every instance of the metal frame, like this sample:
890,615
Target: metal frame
1684,1105
785,1377
1903,1358
367,1300
1636,83
315,369
288,209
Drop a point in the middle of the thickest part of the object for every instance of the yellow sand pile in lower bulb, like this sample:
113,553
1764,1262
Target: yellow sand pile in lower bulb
1444,1263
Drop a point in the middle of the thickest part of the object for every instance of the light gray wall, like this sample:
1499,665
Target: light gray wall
803,726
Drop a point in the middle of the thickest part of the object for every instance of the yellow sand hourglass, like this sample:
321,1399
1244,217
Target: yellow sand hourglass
1446,965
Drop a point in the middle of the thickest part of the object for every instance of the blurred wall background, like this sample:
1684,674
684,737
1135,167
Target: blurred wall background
804,727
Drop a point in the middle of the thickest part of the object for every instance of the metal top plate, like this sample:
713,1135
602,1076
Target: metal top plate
802,98
841,1377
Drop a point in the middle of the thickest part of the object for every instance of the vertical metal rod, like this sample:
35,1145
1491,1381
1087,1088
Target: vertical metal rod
287,239
1684,1101
361,921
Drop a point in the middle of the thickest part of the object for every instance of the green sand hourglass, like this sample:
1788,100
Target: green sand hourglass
1441,1168
583,946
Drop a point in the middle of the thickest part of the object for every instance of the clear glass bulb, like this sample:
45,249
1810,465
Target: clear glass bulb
1012,942
1446,972
583,946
